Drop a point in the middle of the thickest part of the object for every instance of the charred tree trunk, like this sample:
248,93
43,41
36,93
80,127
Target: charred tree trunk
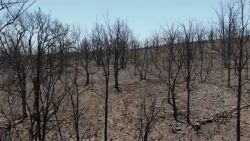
116,73
106,111
239,87
37,95
87,76
36,111
175,110
188,79
23,95
188,101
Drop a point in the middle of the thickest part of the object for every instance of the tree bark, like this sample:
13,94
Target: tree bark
106,112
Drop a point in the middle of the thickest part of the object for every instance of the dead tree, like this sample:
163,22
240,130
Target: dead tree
170,63
12,46
10,106
222,33
96,43
203,53
134,54
73,88
36,115
147,117
143,60
227,29
120,41
105,64
237,49
10,10
15,49
53,66
155,50
189,54
102,38
174,66
85,47
241,58
47,42
229,38
211,43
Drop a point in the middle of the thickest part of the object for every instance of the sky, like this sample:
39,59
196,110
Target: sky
144,17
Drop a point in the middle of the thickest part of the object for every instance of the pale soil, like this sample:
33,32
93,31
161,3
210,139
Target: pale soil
207,99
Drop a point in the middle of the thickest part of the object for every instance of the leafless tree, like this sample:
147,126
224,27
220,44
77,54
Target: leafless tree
147,117
47,42
155,50
74,88
237,49
10,105
120,42
189,54
96,42
227,27
174,66
203,53
10,10
222,33
102,38
143,59
86,51
241,57
12,44
15,49
134,53
211,36
230,36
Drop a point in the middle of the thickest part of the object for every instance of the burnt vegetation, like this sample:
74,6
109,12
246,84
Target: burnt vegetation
188,81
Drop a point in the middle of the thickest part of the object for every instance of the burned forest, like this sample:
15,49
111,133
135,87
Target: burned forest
189,81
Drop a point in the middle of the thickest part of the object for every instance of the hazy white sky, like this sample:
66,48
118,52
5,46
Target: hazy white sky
143,16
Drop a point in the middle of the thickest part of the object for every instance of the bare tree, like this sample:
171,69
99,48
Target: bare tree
86,51
120,41
189,54
12,42
47,44
10,10
211,36
222,33
227,27
155,50
143,59
15,49
241,58
74,89
102,38
203,50
175,64
147,117
230,36
134,53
